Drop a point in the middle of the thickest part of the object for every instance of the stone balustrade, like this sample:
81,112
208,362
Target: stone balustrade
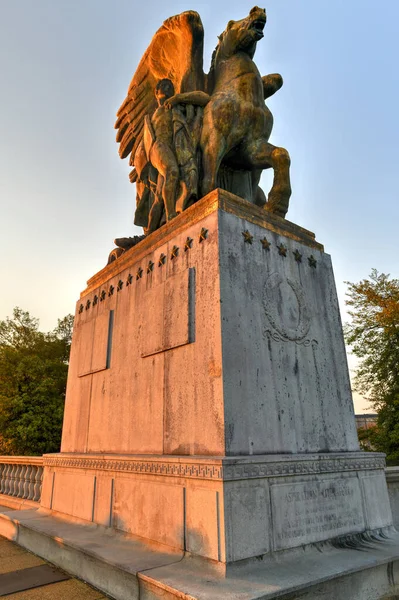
21,477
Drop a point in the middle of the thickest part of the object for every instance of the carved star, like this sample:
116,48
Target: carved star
150,267
312,261
139,273
88,304
188,244
81,308
129,279
203,235
282,250
298,256
248,238
120,285
265,244
162,260
111,290
102,295
174,253
95,300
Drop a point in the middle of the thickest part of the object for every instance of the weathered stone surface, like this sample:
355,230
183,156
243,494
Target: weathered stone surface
207,337
285,376
222,424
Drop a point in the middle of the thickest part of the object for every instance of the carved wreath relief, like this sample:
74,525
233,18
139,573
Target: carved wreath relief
287,310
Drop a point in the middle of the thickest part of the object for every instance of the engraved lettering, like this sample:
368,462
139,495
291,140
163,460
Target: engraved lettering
312,511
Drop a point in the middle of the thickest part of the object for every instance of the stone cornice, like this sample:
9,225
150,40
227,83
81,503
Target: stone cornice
222,469
216,200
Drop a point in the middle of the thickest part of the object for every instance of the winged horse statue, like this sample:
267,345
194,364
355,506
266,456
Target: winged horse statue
188,132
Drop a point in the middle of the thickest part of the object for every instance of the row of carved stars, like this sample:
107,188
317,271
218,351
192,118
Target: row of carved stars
203,235
282,250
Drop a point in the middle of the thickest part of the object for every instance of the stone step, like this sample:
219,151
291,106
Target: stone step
127,568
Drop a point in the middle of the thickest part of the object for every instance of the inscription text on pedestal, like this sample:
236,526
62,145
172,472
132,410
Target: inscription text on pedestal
312,511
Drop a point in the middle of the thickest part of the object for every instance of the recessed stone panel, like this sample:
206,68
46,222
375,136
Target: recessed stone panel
150,510
73,494
203,522
101,341
167,317
378,509
312,511
94,344
84,337
247,519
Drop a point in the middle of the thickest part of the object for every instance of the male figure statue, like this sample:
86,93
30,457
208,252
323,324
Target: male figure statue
160,147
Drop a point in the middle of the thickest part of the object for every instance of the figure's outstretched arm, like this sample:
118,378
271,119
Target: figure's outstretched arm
197,98
271,84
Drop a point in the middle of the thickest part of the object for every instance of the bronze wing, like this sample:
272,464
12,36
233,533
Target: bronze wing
176,53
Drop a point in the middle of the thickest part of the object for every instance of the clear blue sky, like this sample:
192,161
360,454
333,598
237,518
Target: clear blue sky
65,67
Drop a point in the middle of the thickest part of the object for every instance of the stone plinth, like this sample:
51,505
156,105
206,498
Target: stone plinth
208,405
226,509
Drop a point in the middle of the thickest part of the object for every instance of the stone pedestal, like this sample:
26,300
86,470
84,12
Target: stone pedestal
208,405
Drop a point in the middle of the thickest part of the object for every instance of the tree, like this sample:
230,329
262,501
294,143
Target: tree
33,372
373,334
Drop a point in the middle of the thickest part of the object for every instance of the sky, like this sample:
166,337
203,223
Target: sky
65,68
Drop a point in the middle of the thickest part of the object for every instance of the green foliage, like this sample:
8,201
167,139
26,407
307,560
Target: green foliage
367,438
374,336
33,372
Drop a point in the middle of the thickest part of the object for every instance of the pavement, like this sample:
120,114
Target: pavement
21,569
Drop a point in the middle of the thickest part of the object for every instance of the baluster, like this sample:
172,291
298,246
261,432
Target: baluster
26,481
2,475
32,483
38,484
6,485
8,480
21,481
11,479
16,480
15,484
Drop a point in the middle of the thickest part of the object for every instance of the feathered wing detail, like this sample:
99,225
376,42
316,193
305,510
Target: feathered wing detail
176,53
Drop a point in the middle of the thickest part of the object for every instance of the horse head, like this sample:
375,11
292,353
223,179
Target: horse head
241,36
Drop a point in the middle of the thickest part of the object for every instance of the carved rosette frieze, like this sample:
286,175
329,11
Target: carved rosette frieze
220,470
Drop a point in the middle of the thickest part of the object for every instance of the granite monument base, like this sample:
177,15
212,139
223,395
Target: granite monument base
208,407
224,509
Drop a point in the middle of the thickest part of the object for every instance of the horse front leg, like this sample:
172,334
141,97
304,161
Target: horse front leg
263,155
213,148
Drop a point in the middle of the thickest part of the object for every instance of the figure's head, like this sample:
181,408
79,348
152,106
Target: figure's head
164,90
236,33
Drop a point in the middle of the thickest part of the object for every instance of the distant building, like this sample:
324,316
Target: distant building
366,421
